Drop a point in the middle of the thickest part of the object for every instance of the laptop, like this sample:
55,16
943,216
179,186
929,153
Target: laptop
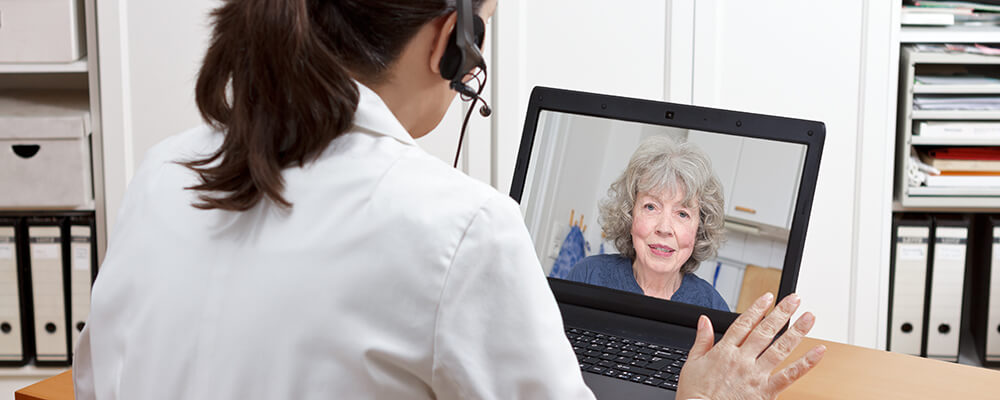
575,145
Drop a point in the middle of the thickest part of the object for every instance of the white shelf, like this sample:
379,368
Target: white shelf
44,68
31,371
949,199
958,141
957,115
950,34
920,88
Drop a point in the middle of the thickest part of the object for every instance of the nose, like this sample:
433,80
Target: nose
664,227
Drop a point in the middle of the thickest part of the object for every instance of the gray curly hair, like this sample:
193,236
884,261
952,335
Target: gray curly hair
661,164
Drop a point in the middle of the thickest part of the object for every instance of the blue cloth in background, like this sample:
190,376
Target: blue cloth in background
574,249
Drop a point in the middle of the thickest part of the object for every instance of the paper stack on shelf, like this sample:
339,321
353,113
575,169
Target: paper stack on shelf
956,103
956,80
958,130
947,13
963,166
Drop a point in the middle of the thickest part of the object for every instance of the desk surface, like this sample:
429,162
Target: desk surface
59,387
847,372
852,372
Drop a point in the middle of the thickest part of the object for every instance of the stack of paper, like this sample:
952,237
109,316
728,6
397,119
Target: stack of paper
958,130
956,80
956,103
964,166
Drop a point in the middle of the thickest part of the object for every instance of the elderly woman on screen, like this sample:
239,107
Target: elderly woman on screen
664,214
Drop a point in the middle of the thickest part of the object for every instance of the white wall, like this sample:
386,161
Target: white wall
780,57
149,57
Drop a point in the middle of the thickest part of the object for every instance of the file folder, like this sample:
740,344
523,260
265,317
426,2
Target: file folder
81,274
947,288
12,326
48,292
993,312
910,252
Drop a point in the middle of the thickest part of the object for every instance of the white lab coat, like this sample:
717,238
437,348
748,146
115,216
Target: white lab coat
394,277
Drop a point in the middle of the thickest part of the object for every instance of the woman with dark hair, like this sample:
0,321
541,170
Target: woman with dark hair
301,245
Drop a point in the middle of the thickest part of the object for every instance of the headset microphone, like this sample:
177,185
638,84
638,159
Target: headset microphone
468,92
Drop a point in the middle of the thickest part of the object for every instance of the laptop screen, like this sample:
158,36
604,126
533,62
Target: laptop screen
689,215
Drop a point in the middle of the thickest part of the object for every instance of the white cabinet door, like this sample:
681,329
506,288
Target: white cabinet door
724,152
767,179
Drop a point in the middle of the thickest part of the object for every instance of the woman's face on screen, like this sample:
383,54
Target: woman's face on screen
663,231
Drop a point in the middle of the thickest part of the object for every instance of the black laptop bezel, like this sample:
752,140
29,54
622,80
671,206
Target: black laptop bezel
809,133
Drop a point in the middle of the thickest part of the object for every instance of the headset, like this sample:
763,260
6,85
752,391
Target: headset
461,56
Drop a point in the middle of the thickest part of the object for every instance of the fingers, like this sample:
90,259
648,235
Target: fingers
704,340
761,336
738,331
782,347
780,381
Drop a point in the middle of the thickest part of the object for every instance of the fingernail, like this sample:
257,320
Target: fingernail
794,299
816,354
766,299
808,318
701,321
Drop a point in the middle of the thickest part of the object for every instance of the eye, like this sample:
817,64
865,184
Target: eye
649,207
684,214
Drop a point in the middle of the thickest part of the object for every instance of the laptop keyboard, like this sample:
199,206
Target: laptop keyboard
627,359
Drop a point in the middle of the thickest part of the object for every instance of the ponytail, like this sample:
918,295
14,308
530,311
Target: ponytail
290,97
277,80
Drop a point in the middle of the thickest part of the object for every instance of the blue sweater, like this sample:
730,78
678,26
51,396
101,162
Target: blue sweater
615,272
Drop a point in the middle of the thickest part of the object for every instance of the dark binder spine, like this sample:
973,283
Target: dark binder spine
24,311
929,279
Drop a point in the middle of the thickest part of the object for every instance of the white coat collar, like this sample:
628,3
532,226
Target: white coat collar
375,116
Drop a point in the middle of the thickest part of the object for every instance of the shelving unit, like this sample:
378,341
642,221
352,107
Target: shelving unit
912,61
78,75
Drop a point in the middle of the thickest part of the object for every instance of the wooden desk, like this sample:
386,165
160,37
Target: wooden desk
851,372
847,372
59,387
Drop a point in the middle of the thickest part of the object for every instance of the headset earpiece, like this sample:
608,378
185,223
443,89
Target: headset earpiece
454,57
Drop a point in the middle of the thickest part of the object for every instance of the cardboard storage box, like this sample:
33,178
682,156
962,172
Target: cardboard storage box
41,31
45,157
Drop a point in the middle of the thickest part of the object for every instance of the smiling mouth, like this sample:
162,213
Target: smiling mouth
661,250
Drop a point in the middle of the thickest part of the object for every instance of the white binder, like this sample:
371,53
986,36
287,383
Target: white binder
947,286
11,341
81,244
48,294
993,316
909,282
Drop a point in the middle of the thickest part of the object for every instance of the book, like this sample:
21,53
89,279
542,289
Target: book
966,153
966,167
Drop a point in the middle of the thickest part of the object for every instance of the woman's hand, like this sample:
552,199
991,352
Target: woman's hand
740,365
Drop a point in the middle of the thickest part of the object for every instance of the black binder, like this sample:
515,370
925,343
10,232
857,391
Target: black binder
46,258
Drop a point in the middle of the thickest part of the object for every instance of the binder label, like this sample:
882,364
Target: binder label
6,247
950,253
81,257
911,240
912,252
951,240
46,251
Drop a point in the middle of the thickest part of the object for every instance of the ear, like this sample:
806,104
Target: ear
441,41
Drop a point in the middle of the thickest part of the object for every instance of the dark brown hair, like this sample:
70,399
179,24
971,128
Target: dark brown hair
277,80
